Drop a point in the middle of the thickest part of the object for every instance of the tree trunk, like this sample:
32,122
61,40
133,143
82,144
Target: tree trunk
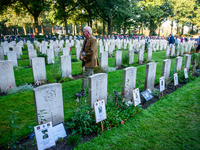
80,30
124,27
96,27
36,25
159,29
88,23
192,31
91,23
52,28
42,28
72,29
24,27
103,27
109,21
75,29
172,26
182,28
33,30
66,27
151,27
63,30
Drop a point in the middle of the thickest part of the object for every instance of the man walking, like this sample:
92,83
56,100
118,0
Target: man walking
88,55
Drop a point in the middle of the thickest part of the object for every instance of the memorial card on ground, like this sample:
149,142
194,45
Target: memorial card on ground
185,73
175,79
59,131
44,135
136,97
147,95
162,84
100,111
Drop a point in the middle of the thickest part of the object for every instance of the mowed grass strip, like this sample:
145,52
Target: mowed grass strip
24,101
171,123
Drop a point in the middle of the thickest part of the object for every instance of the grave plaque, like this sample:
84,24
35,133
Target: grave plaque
150,75
7,78
136,97
100,111
104,60
140,56
97,87
175,79
66,51
147,95
49,103
166,68
167,52
129,81
66,65
149,54
185,73
162,84
39,70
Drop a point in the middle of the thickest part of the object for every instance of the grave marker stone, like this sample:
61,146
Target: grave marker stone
50,56
66,51
49,103
5,49
166,68
129,81
118,59
1,54
11,55
150,75
32,54
178,63
66,65
187,62
7,78
104,60
140,56
131,56
167,52
149,54
97,88
39,70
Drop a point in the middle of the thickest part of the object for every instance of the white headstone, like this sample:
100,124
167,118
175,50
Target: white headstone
118,59
104,60
39,70
167,52
178,63
5,49
98,88
66,65
7,78
131,56
13,57
32,54
150,75
66,51
1,54
187,62
166,68
50,56
129,81
140,56
49,103
149,54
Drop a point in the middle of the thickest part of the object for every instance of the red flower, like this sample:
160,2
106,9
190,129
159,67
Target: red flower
122,122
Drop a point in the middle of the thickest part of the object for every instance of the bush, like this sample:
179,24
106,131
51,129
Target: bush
125,60
98,69
74,60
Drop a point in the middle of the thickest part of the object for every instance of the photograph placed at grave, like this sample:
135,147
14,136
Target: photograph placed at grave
175,79
136,97
162,84
44,136
100,111
147,95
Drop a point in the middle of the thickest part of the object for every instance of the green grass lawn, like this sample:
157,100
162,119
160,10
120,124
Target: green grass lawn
23,102
171,123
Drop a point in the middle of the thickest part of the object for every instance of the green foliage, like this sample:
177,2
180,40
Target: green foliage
56,69
155,93
125,60
74,140
43,55
20,88
74,60
67,79
98,69
182,79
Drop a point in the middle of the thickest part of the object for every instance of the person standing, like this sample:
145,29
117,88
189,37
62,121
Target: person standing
171,41
198,44
88,56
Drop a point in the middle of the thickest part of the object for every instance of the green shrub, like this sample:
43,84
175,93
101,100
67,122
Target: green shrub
74,60
98,69
43,55
74,140
20,88
110,69
125,60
